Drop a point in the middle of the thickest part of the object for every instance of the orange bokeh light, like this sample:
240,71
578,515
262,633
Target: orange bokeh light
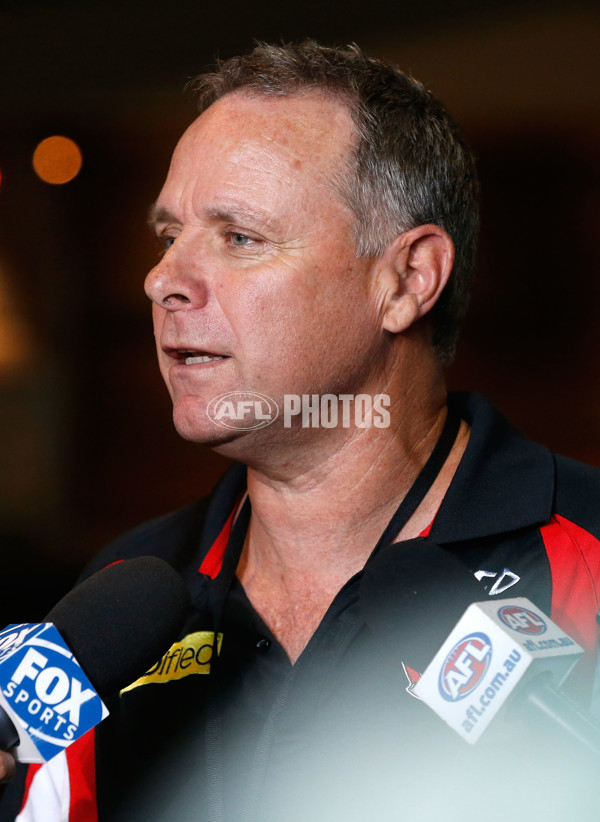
57,160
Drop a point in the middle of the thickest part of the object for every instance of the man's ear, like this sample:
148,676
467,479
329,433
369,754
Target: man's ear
414,269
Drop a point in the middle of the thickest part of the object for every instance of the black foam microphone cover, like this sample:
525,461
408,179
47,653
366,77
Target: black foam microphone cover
122,619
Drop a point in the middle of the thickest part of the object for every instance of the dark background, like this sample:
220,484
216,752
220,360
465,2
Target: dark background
86,443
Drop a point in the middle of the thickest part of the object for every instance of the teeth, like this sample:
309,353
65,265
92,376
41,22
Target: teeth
205,358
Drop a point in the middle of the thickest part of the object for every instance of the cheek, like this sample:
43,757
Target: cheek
307,313
158,321
158,318
276,312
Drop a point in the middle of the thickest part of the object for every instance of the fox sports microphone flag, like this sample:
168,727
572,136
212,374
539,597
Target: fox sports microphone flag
45,692
111,628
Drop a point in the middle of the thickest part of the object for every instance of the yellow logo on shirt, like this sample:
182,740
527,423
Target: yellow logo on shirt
191,655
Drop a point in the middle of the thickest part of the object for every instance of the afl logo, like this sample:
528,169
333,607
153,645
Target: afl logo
242,409
522,620
465,666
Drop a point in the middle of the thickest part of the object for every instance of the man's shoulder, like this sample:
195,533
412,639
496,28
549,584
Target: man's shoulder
577,496
181,537
173,537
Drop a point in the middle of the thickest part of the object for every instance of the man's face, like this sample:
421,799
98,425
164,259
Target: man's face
260,271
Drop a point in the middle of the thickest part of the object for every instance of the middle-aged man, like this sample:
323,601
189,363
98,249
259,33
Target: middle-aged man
318,223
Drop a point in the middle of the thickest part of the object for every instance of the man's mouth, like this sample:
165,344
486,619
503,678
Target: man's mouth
192,356
192,359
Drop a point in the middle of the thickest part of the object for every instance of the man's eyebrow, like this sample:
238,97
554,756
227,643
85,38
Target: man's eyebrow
235,213
158,214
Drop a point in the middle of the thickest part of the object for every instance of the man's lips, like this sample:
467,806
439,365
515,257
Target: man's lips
193,356
193,360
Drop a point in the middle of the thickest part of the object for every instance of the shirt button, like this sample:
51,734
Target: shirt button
263,645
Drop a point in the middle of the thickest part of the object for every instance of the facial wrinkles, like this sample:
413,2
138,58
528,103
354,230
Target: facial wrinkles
280,153
254,177
217,318
288,173
292,261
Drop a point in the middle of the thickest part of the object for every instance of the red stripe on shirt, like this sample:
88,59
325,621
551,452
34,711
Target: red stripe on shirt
81,757
426,531
574,556
31,772
213,561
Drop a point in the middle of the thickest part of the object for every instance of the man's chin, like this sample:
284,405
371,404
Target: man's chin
206,433
249,446
230,418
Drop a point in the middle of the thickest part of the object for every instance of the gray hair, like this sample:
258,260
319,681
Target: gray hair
410,166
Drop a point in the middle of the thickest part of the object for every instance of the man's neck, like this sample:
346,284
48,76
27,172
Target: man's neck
330,516
314,529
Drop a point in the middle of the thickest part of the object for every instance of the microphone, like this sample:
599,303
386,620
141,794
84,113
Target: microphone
421,600
497,648
99,638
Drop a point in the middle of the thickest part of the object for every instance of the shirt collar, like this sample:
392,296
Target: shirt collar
503,482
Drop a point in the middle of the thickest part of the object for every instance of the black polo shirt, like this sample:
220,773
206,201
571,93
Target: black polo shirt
339,735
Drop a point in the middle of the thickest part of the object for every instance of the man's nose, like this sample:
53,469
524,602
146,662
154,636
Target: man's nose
175,283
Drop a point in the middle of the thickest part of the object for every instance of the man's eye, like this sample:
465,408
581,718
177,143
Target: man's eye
239,240
164,243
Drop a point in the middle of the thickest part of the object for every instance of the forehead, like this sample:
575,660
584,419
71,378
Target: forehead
269,145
